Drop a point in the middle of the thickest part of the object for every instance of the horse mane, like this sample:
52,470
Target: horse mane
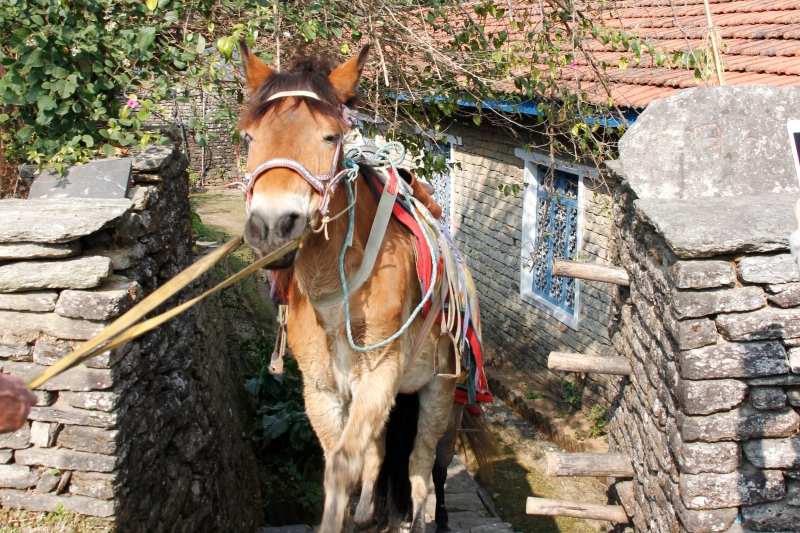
306,74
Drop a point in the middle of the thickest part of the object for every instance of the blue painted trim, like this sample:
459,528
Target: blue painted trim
531,108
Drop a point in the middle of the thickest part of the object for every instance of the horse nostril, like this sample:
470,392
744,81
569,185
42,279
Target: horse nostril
287,224
256,230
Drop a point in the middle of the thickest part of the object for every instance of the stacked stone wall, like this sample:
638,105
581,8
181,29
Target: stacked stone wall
147,435
488,228
709,416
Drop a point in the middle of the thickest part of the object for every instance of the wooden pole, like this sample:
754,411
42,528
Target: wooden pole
712,35
591,271
588,464
577,362
592,511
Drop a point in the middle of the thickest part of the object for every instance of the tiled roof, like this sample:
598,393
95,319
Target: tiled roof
760,38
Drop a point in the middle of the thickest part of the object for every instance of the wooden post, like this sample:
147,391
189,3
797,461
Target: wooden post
588,464
592,511
577,362
591,271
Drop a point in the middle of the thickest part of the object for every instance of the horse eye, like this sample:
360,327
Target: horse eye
331,138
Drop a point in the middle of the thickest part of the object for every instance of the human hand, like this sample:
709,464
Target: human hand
15,403
797,212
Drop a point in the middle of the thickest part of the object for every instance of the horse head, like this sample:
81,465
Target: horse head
295,123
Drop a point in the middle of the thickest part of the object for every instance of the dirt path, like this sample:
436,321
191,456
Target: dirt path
223,209
519,472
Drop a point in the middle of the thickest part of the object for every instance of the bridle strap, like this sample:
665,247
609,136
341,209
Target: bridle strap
324,184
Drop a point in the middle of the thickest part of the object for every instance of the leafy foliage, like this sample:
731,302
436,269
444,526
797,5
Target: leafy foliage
599,424
281,429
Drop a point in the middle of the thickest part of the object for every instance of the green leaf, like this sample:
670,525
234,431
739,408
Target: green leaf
18,37
201,44
46,102
145,38
476,119
225,46
3,118
88,140
109,150
152,4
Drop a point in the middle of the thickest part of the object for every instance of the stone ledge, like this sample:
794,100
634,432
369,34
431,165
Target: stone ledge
740,424
747,486
57,221
696,304
734,360
66,414
33,501
774,453
23,323
28,250
79,378
705,227
38,302
64,459
79,273
702,274
772,269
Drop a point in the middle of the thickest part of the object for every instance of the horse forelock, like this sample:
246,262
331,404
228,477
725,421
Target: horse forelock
307,74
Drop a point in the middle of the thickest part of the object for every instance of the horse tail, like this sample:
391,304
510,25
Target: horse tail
477,438
393,487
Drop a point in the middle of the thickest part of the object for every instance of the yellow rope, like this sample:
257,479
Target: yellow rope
123,329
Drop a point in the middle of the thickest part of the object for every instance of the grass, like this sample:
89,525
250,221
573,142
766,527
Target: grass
60,521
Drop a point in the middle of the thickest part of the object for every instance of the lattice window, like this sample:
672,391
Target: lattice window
443,182
551,229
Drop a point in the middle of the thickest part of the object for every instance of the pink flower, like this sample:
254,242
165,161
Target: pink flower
574,65
132,103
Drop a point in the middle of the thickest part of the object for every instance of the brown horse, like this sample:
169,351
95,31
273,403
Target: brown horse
298,115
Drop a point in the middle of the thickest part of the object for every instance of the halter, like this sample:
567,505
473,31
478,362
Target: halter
324,184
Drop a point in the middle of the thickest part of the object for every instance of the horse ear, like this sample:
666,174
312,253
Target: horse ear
345,77
255,71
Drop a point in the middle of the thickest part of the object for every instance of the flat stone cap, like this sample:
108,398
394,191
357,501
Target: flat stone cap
57,220
713,141
154,158
705,227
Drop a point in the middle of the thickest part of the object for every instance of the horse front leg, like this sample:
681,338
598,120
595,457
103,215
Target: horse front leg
372,401
435,403
366,518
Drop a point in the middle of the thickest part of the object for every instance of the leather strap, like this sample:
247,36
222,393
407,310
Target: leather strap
376,234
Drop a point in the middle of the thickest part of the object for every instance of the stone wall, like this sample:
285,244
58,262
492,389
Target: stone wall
147,435
711,321
488,228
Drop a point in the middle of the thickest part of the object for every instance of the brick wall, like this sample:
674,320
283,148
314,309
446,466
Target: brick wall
488,228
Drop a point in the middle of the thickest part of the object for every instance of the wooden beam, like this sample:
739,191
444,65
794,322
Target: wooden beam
592,511
588,464
578,362
591,271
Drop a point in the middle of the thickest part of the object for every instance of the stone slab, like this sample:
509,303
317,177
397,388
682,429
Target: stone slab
734,360
89,439
794,360
770,269
768,323
690,334
23,323
64,413
6,456
57,221
705,150
104,178
18,439
49,482
777,381
32,501
696,304
709,396
112,298
767,398
773,517
37,301
774,453
705,521
94,484
64,459
747,486
94,400
15,350
78,273
742,423
16,476
793,396
787,296
43,434
793,492
78,378
702,274
716,457
153,158
30,250
705,227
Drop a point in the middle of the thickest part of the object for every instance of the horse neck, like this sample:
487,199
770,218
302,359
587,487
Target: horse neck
317,266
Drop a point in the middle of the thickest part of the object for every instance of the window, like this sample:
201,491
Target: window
443,182
552,227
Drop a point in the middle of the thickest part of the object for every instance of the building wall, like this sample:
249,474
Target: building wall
488,227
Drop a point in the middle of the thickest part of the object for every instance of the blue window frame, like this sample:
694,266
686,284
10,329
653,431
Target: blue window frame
557,223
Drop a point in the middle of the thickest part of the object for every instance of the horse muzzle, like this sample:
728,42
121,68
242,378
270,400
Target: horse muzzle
265,232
